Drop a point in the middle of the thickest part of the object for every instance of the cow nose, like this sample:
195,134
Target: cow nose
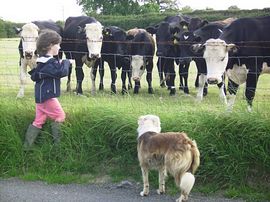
28,54
94,56
135,78
212,81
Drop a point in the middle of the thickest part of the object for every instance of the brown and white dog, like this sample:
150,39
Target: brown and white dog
171,152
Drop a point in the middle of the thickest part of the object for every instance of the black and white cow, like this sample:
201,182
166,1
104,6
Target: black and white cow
244,43
166,47
142,49
27,47
82,41
115,53
198,31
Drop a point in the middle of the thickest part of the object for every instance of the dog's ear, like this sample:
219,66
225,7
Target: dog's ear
140,120
156,122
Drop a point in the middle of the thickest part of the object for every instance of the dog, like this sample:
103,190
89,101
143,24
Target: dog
172,152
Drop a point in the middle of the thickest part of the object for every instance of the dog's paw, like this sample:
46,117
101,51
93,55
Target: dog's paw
159,192
144,193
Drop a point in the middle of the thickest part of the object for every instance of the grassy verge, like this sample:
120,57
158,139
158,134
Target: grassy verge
100,139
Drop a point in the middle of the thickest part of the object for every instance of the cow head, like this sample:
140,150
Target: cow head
138,65
29,36
186,40
166,37
93,34
216,57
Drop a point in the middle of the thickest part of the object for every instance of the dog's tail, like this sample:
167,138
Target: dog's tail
196,157
186,184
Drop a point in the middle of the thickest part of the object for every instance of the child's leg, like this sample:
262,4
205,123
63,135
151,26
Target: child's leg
40,115
54,110
34,128
56,113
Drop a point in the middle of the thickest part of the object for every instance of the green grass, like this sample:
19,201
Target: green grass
99,135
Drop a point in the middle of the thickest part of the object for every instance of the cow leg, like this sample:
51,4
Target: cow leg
171,73
149,69
113,76
93,74
160,67
129,73
183,74
251,85
23,77
80,77
123,78
100,63
145,191
69,78
222,94
137,87
232,88
197,81
202,80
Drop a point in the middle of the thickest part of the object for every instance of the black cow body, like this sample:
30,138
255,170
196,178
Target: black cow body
74,45
142,45
252,39
114,51
166,48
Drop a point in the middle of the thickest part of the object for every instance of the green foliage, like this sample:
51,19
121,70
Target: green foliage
100,135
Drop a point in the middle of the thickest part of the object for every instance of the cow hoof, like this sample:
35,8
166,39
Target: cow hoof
150,91
162,85
172,92
124,91
101,87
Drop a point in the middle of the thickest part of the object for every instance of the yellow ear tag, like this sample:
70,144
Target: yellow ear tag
175,41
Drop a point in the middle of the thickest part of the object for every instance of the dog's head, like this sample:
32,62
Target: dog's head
148,123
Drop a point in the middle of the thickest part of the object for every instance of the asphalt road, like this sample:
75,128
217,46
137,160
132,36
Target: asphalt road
15,190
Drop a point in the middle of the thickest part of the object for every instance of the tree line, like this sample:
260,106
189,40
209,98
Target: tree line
146,19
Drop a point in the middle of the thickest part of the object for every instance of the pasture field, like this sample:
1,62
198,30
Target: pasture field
100,133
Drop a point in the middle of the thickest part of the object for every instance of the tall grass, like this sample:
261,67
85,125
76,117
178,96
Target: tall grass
100,135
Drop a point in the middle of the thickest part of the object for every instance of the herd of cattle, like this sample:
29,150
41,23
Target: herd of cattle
237,48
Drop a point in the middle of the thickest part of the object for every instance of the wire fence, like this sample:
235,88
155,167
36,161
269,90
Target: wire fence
9,71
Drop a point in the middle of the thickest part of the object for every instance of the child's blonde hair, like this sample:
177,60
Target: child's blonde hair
46,39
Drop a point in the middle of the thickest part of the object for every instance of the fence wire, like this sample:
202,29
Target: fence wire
9,71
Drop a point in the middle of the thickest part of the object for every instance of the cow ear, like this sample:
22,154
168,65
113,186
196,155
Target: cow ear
205,22
197,48
231,47
152,30
184,24
17,30
106,32
80,29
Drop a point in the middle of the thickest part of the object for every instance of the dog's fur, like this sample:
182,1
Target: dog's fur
167,152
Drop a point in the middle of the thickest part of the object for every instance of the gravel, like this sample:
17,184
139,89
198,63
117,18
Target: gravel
15,190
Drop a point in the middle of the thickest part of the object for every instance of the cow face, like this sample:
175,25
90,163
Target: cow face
29,36
185,46
165,37
93,33
216,58
138,67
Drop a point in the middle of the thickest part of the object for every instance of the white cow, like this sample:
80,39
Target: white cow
29,35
